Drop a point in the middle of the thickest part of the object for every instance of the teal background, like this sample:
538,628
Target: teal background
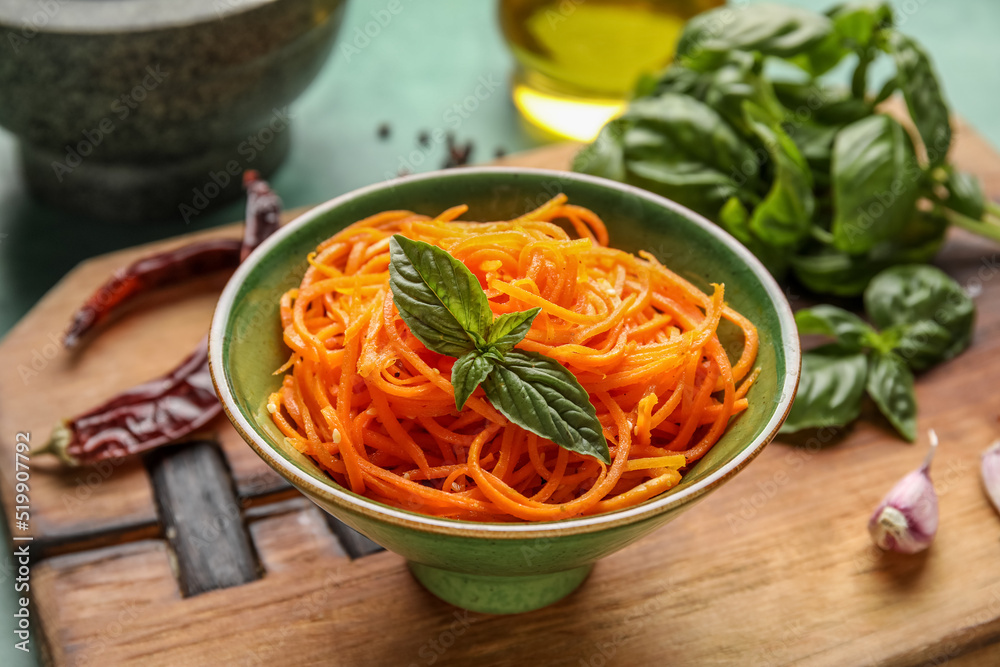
430,57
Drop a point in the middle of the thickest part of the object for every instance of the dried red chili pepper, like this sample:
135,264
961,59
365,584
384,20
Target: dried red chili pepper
146,416
263,215
171,407
150,272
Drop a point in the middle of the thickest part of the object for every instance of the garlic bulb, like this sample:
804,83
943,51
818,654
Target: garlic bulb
990,469
907,519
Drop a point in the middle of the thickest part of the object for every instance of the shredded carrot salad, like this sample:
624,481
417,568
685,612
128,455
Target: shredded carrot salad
375,409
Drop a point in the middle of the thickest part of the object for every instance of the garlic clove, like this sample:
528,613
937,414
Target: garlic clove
907,518
990,470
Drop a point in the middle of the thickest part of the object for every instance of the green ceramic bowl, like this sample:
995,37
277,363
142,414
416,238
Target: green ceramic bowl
503,568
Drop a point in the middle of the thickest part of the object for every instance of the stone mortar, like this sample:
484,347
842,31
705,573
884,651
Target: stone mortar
129,110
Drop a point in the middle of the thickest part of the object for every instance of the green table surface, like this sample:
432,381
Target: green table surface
429,58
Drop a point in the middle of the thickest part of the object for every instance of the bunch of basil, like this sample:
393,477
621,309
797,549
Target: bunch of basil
817,182
811,177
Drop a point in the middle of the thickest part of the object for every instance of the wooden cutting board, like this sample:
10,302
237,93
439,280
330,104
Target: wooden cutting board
776,568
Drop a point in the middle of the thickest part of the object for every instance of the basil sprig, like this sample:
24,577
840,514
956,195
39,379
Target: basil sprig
445,307
925,318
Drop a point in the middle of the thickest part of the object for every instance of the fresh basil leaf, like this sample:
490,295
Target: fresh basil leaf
468,372
874,191
890,384
829,271
858,22
840,110
440,300
917,243
684,150
859,27
965,194
854,27
605,156
923,95
538,394
886,91
645,85
851,331
728,88
826,270
922,344
738,81
820,105
785,215
831,387
673,79
932,311
769,29
510,329
888,340
815,143
859,80
821,57
735,219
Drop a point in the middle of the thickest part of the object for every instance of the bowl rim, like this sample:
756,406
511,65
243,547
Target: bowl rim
344,499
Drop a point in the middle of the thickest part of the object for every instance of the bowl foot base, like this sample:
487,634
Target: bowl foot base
493,594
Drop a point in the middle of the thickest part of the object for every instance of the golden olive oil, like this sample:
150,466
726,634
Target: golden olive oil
579,59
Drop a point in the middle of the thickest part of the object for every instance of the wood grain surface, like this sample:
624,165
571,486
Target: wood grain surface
775,568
